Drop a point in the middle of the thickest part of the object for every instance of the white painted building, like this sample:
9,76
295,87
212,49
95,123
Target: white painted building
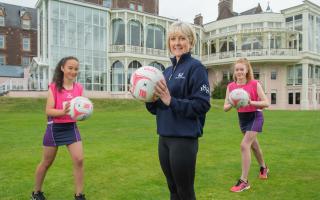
284,48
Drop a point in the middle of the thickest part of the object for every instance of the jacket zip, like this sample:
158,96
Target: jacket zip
173,70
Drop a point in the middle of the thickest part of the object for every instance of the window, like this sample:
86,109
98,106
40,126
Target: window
135,33
2,42
256,74
257,42
25,61
275,42
2,59
273,75
107,3
290,98
118,32
289,19
273,98
26,44
155,37
140,8
297,97
131,68
2,21
294,75
227,76
26,24
157,65
197,45
132,6
117,77
297,17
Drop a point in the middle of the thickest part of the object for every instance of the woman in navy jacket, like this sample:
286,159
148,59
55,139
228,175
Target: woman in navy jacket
184,100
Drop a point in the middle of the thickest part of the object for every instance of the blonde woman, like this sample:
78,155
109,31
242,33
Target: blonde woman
184,100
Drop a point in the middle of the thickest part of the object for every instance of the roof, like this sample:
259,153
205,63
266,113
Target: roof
226,13
11,71
12,18
252,11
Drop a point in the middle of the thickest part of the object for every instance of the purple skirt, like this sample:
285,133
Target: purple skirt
58,134
251,121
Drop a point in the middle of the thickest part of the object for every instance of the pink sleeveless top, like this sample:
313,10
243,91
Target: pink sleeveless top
62,96
251,88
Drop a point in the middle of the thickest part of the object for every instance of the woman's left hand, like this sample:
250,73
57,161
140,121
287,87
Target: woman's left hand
162,91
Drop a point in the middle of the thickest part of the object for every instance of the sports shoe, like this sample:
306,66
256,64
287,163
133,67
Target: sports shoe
38,196
263,172
240,186
79,197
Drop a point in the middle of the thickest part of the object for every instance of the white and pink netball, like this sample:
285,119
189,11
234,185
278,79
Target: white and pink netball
143,81
80,108
238,98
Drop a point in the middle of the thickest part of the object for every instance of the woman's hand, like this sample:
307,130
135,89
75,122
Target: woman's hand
162,91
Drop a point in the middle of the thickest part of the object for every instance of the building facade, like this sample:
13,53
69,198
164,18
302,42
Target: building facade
284,48
18,43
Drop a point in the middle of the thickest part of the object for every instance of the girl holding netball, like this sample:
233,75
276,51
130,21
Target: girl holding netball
61,129
250,120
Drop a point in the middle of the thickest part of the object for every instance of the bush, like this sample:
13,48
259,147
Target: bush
219,92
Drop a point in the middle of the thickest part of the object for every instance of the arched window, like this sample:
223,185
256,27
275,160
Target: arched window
155,37
157,65
117,76
118,32
135,33
131,68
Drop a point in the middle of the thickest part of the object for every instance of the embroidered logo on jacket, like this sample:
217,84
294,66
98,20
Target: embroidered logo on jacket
205,88
180,76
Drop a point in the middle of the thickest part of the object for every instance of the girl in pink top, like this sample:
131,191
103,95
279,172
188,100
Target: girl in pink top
250,120
61,128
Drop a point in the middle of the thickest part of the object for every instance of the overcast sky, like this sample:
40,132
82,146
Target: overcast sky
185,10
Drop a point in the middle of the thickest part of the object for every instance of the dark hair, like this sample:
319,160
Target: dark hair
58,73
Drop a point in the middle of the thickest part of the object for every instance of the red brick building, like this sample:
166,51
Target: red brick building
18,35
148,6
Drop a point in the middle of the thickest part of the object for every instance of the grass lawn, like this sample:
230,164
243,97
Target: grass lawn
121,163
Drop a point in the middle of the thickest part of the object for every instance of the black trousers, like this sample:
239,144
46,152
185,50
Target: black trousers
178,161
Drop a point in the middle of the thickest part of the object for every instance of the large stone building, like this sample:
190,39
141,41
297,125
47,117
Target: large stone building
112,39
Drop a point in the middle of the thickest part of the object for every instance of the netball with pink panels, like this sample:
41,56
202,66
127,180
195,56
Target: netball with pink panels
80,108
143,81
238,98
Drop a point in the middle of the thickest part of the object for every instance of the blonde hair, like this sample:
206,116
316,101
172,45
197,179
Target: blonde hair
183,28
244,61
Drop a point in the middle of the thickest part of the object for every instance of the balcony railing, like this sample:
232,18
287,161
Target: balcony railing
137,50
249,53
13,84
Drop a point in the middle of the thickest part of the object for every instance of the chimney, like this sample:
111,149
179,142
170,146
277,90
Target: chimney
225,9
225,4
198,20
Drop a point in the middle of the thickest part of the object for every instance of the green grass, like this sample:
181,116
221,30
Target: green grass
121,160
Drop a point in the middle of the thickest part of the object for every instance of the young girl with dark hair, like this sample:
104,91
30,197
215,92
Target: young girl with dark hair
61,128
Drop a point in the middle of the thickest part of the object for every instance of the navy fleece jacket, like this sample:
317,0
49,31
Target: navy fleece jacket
187,81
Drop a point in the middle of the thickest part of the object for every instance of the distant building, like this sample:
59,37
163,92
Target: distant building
284,49
18,42
113,38
147,6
